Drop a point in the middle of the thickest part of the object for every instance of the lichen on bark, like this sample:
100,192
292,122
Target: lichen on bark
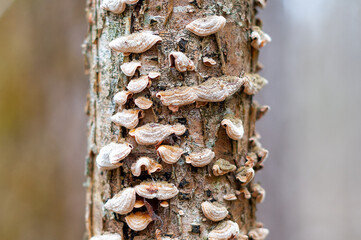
234,56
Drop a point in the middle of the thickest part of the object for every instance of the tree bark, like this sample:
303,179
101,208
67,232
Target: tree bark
234,55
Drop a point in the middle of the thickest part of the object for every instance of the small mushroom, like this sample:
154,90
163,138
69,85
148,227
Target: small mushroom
115,6
143,102
230,197
209,62
135,43
129,68
258,193
128,118
123,202
224,231
177,96
164,204
153,133
261,3
258,233
139,203
145,164
253,82
107,236
244,193
159,190
206,26
154,75
261,111
138,221
139,84
122,97
259,38
110,155
181,62
200,158
214,211
245,174
222,167
170,154
233,126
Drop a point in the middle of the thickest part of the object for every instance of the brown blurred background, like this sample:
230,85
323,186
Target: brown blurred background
313,131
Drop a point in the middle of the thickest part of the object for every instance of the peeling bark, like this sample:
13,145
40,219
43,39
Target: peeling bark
234,56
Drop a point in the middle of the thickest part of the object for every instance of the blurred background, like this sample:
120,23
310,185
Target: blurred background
312,176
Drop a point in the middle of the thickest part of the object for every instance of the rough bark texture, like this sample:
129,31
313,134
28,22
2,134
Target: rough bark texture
234,55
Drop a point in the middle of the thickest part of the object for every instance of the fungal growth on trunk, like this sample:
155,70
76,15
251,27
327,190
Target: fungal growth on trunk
128,118
181,62
153,133
109,156
201,157
206,26
215,89
173,150
135,43
123,202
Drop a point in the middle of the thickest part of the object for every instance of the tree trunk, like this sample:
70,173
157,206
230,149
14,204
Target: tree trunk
234,56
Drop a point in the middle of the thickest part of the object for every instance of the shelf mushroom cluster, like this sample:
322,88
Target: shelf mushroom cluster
215,89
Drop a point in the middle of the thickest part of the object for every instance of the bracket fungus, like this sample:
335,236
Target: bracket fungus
230,197
261,111
181,62
253,83
244,193
139,84
122,97
222,167
258,192
170,154
135,43
143,103
110,155
164,204
128,118
207,25
115,6
257,153
153,133
261,3
214,211
159,190
107,236
200,158
258,233
138,221
224,231
233,126
145,164
245,175
209,62
129,68
154,75
215,89
123,202
259,38
139,203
